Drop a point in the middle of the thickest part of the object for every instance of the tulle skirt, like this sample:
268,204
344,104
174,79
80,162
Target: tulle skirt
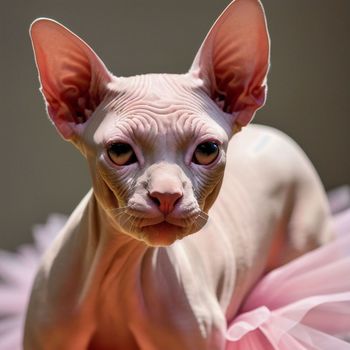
304,305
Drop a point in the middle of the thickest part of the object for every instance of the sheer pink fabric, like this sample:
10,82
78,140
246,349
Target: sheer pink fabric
17,272
303,305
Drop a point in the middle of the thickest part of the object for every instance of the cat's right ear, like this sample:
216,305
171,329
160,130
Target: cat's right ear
73,78
234,59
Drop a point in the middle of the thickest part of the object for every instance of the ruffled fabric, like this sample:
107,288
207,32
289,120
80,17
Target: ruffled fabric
17,272
304,305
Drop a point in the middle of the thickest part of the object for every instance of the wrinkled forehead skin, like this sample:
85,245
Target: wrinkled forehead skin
160,113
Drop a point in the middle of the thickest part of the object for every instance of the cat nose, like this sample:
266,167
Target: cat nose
166,201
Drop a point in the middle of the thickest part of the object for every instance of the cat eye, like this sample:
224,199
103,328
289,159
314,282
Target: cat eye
121,154
205,153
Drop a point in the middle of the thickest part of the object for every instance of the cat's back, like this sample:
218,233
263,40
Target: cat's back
270,191
268,175
264,160
263,148
263,167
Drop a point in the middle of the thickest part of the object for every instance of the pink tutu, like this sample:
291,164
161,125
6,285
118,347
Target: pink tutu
302,305
17,272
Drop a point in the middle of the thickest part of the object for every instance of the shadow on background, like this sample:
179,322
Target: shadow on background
309,87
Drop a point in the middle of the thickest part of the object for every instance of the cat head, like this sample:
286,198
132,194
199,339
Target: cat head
156,143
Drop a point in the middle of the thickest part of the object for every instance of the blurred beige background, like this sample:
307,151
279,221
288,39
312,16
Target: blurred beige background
309,87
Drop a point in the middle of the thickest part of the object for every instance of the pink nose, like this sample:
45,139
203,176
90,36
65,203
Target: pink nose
166,201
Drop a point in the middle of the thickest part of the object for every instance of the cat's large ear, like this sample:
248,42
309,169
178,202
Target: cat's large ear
233,60
73,78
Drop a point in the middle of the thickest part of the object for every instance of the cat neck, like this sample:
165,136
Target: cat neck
88,257
109,253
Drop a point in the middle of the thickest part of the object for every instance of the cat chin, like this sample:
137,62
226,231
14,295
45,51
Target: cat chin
163,234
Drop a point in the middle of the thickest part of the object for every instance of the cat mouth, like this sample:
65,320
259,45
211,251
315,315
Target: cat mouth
165,222
166,230
159,230
199,218
163,233
163,225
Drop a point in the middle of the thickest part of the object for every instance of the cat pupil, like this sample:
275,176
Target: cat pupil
206,153
120,148
121,154
207,148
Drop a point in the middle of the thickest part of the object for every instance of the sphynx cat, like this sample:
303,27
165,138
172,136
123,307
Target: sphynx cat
139,265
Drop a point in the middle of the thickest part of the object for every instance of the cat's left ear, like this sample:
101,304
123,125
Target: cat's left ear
233,60
73,78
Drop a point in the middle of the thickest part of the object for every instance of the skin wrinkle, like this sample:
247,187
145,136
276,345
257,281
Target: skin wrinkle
110,177
111,273
179,134
127,98
104,191
190,95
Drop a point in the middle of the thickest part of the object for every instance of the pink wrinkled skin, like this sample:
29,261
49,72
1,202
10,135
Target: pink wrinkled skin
139,265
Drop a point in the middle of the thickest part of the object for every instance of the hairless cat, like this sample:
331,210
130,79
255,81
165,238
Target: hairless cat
181,222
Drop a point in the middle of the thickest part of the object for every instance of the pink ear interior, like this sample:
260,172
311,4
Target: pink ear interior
234,59
72,76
